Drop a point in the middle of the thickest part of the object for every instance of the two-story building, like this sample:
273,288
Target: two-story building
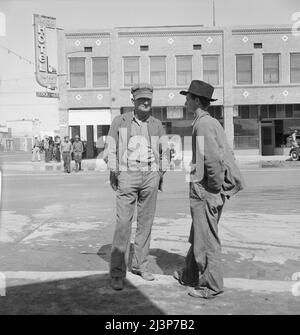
255,72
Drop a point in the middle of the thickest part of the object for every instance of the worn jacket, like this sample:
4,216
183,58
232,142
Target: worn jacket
213,160
117,143
118,138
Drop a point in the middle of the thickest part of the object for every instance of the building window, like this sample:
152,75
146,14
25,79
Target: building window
288,111
248,112
77,72
197,46
271,68
100,72
243,69
158,71
216,112
295,68
211,69
183,70
246,134
257,45
144,47
131,71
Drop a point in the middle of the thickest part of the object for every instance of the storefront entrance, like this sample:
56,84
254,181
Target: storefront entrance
267,138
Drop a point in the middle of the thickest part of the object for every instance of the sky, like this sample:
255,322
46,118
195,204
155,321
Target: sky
18,86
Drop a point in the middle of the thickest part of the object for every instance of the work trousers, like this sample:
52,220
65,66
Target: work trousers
139,187
77,158
57,154
203,261
47,155
67,161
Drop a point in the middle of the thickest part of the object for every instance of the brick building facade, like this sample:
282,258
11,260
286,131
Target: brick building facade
255,71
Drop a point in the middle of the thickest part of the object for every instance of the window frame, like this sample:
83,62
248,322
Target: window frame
236,68
85,69
176,69
218,68
123,67
294,54
165,64
278,57
108,72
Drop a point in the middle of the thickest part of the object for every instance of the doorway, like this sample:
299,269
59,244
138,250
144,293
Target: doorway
90,150
267,138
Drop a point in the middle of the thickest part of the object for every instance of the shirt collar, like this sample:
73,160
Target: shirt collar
198,116
137,120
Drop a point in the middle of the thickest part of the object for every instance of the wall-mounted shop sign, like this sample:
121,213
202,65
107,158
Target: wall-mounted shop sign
45,72
47,94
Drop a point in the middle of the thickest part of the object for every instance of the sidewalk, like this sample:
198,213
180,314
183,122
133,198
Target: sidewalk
88,292
99,165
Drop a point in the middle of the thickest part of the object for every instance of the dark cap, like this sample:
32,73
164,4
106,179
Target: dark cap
200,89
142,90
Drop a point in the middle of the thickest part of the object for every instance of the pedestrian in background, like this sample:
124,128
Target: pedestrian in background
172,156
46,149
100,145
77,153
57,143
51,148
66,150
294,139
36,149
135,163
214,177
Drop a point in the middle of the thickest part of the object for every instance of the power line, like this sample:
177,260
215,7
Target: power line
16,79
16,54
16,92
24,105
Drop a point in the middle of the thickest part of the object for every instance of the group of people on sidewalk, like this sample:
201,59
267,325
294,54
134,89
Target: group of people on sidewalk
54,150
50,147
137,160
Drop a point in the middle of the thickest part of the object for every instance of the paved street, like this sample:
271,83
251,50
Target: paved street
56,233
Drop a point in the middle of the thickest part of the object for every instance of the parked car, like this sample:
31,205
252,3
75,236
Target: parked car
295,151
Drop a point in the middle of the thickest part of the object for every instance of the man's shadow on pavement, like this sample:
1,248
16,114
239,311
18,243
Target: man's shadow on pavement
160,261
87,295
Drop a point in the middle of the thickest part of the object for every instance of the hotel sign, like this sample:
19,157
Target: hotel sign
45,73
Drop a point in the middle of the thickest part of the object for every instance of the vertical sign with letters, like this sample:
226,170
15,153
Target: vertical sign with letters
45,73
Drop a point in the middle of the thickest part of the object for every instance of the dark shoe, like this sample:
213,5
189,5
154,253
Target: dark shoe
178,276
145,275
117,283
203,292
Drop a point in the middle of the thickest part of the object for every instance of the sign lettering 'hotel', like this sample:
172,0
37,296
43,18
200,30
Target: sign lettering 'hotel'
46,75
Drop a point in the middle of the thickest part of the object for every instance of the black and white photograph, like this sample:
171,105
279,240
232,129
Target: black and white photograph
149,160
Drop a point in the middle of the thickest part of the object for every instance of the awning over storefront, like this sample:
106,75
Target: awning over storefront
84,117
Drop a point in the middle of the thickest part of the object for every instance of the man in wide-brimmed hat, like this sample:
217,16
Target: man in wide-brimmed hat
214,177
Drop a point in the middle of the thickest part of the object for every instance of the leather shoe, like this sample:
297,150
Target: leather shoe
117,283
178,276
145,275
203,292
